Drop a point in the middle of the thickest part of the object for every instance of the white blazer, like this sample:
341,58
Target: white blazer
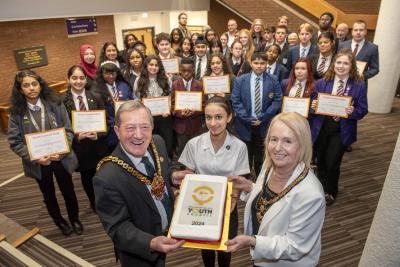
290,231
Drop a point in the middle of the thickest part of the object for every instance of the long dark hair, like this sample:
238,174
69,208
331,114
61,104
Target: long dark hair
103,52
353,74
225,67
18,100
126,45
180,50
100,90
171,36
310,84
127,70
144,80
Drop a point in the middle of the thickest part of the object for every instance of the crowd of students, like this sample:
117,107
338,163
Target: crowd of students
263,64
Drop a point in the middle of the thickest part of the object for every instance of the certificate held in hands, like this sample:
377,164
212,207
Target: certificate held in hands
46,143
188,100
300,105
333,105
202,212
216,84
158,105
171,65
89,121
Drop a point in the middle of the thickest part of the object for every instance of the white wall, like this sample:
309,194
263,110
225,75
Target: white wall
195,18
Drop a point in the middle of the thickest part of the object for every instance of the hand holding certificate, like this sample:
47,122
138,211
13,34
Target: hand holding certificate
89,121
171,65
216,84
158,105
42,144
296,104
188,100
333,105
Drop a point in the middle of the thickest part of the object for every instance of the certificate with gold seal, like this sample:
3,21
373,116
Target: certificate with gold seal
202,212
46,143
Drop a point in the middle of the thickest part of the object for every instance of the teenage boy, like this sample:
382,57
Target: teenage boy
273,67
200,57
280,39
304,49
256,98
187,122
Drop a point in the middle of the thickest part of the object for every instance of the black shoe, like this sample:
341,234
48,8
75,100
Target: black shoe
77,226
349,149
65,228
329,199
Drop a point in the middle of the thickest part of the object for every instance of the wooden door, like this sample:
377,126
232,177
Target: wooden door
145,35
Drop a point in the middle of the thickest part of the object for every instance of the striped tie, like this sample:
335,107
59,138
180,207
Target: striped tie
257,100
114,93
355,51
299,90
81,103
303,53
321,66
198,70
339,92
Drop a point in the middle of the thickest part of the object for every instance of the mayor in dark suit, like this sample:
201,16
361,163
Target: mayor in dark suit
256,98
331,135
132,187
363,49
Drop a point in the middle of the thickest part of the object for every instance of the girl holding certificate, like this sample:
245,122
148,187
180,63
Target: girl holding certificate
301,82
217,152
111,87
152,83
331,135
35,108
89,147
217,66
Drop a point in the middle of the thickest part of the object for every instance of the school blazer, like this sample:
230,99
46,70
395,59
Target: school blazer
280,72
19,125
290,231
348,127
294,55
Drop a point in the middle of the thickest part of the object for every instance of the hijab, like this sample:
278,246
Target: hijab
90,69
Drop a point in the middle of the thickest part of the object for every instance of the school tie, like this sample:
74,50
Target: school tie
355,50
165,199
321,66
299,90
82,106
339,92
186,86
114,93
257,97
198,70
36,108
269,70
303,53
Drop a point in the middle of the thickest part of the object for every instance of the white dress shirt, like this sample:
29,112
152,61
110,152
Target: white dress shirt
336,85
76,100
360,45
293,90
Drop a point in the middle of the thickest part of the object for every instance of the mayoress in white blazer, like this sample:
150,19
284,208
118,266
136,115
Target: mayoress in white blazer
285,208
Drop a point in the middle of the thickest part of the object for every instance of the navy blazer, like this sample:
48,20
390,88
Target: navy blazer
368,53
241,103
294,55
280,72
348,127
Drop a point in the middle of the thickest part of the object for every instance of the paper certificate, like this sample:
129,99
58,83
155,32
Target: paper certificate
89,121
333,105
361,66
43,144
171,65
300,105
118,103
216,84
157,105
188,100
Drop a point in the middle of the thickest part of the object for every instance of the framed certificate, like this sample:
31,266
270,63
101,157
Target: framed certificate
216,84
46,143
300,105
171,65
333,105
188,100
118,103
89,121
361,66
158,105
202,212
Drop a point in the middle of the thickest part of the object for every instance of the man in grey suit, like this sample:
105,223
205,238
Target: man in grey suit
134,199
364,50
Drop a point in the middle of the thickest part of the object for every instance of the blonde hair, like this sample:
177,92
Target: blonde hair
250,46
307,27
301,129
254,23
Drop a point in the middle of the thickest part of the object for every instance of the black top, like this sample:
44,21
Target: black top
267,194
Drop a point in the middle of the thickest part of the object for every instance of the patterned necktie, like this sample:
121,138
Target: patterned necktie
303,53
299,90
149,167
355,50
198,70
339,92
36,108
269,70
81,104
114,93
321,66
257,97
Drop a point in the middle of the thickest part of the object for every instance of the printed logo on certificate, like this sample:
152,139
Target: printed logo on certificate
171,65
300,105
89,121
361,66
201,215
118,104
46,143
188,100
333,105
216,84
158,105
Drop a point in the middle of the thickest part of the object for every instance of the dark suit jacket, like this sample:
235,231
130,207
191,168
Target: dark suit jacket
241,103
187,125
348,127
195,65
243,68
88,152
314,65
127,210
368,53
294,54
283,57
280,72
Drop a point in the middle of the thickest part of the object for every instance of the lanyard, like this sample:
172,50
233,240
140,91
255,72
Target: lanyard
42,127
